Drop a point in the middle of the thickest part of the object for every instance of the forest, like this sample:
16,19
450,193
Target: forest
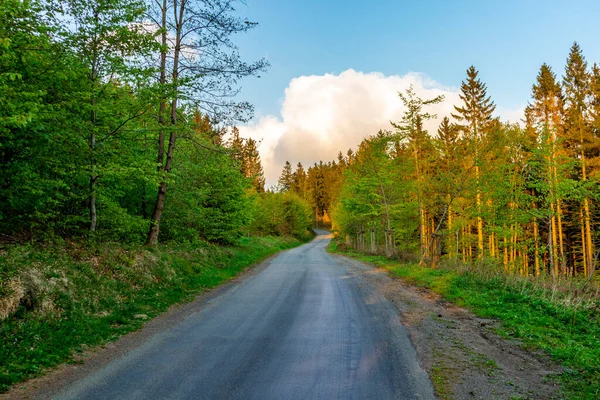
479,190
125,186
112,126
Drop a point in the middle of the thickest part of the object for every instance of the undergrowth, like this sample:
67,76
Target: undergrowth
57,300
560,318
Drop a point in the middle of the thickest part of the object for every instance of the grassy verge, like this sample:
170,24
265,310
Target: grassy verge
56,301
567,330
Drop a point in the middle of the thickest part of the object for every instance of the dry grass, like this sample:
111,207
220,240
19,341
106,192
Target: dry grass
576,293
11,293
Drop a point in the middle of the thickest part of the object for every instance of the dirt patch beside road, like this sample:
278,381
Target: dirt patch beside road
463,356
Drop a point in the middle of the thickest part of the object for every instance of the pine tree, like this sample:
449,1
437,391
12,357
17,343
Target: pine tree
476,117
546,111
204,126
286,180
236,144
252,165
576,83
299,179
593,148
244,153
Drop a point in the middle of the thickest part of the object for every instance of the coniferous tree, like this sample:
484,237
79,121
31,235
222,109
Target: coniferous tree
236,144
593,148
286,180
252,165
475,116
576,83
299,181
204,126
546,112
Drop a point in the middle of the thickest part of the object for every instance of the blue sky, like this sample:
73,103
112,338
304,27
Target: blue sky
337,65
507,41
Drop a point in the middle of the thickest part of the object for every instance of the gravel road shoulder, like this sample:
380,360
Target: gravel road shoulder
464,358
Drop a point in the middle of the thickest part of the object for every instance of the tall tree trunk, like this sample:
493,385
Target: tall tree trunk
480,251
553,248
92,138
162,81
505,259
537,246
423,224
92,196
589,253
451,251
561,246
93,176
152,237
583,242
464,249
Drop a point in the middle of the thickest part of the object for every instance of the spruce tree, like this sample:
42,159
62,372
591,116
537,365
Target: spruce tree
299,179
546,111
476,118
236,144
286,180
253,166
576,84
593,148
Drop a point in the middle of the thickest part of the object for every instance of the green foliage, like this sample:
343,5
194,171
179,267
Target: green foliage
208,196
78,128
283,213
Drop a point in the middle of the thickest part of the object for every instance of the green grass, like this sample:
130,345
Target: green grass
75,297
570,334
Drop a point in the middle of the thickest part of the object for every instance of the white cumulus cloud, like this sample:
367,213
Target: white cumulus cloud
323,114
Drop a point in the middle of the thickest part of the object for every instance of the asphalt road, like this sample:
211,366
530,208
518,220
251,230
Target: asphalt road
304,327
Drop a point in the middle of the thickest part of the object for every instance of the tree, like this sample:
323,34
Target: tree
204,126
547,111
236,144
476,117
245,153
208,197
252,166
593,148
204,69
410,129
104,40
28,61
286,179
299,181
448,143
576,83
